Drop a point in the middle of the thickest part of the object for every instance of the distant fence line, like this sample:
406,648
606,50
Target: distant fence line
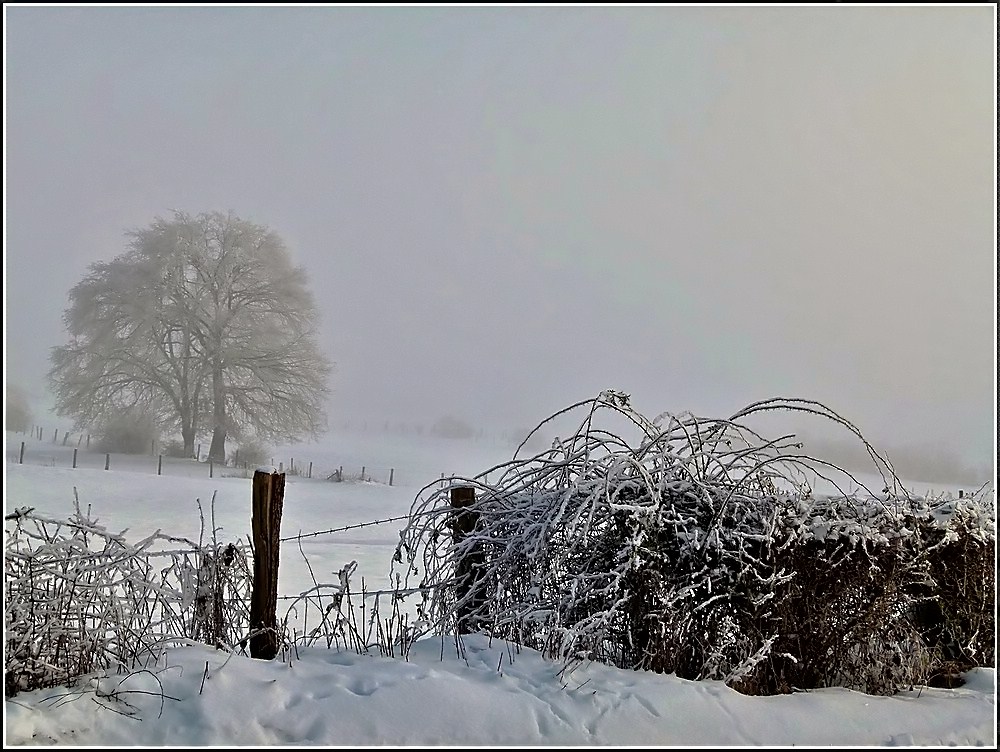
366,474
81,450
37,432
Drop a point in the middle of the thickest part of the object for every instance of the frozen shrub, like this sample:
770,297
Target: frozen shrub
252,452
128,433
175,448
79,599
958,617
699,548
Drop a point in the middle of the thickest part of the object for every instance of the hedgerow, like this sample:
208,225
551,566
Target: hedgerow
701,549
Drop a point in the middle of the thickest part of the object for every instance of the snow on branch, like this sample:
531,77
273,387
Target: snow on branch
79,599
685,548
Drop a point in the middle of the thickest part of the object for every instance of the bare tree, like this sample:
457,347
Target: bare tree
205,323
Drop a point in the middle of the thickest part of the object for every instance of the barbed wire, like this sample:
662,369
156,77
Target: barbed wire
28,512
394,592
341,529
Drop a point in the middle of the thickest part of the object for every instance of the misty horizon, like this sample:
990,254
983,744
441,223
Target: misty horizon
502,211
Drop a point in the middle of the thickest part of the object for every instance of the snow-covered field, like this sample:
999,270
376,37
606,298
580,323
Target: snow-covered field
490,696
131,496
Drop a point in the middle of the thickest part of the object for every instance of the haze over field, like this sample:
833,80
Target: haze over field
502,210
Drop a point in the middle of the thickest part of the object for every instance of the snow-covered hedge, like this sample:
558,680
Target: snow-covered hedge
79,598
702,549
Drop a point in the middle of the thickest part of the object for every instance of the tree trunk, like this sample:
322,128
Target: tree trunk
187,434
217,452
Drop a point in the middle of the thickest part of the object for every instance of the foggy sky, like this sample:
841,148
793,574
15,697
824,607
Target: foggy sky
505,210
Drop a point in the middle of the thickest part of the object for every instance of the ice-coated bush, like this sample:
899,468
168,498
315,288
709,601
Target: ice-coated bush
80,599
700,548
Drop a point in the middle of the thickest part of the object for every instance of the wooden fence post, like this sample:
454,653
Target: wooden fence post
20,458
391,471
310,469
74,458
107,461
470,588
159,465
268,498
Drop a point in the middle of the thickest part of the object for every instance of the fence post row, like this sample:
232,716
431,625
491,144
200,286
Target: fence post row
470,587
268,498
37,431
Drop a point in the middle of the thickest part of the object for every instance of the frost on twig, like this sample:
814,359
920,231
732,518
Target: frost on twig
80,600
692,546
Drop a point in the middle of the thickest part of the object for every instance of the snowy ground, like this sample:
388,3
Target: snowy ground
489,695
494,698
